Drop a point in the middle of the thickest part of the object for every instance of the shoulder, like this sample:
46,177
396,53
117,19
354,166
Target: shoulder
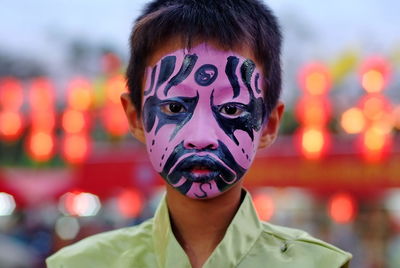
297,242
104,249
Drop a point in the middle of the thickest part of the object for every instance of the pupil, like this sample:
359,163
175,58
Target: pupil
230,109
175,108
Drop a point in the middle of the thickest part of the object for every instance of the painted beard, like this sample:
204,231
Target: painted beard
202,123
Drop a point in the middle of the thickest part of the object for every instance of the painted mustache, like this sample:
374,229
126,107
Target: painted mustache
214,169
218,171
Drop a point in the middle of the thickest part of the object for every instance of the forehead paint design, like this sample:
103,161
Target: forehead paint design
165,118
230,71
186,69
206,75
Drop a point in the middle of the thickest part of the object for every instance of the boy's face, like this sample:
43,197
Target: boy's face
203,114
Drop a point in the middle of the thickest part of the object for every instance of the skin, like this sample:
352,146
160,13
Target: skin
197,120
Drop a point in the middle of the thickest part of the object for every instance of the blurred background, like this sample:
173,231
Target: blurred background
69,168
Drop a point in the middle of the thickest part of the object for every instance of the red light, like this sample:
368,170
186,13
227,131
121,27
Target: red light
315,79
264,205
130,203
11,95
342,208
41,95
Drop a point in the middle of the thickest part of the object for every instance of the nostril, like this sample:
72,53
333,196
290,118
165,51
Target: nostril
211,147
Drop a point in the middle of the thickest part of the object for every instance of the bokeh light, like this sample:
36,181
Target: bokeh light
352,121
130,203
79,204
7,204
342,208
264,206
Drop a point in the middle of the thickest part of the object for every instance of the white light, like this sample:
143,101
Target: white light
87,204
79,204
67,228
7,204
392,203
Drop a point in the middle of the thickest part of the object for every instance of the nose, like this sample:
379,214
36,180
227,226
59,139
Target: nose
201,135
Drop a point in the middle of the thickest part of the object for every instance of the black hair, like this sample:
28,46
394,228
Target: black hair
230,23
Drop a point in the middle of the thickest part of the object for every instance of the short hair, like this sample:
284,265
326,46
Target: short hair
230,23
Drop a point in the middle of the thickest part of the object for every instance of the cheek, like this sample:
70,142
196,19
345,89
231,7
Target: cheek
159,147
244,152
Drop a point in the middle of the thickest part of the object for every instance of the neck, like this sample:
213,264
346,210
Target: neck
200,225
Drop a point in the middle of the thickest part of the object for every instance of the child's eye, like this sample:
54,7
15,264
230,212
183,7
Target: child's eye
173,108
231,110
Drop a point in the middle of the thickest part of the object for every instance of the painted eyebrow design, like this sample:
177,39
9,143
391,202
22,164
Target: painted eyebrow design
185,70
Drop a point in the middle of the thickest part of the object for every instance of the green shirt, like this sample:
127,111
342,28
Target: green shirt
247,243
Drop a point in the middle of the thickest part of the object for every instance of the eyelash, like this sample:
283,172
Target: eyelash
168,108
238,109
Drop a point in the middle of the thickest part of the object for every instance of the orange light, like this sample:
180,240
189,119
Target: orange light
374,107
76,148
43,120
11,95
352,121
264,206
315,79
10,125
80,95
396,117
342,208
73,121
41,145
130,203
115,86
375,72
313,111
114,119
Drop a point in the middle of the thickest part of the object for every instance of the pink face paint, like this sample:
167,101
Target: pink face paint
203,113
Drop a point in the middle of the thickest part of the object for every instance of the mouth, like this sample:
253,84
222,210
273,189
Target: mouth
200,170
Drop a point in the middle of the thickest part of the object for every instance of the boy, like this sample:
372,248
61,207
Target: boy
204,81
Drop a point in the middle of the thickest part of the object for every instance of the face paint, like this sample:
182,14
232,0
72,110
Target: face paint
203,119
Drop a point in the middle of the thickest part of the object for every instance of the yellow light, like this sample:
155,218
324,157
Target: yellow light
73,121
373,81
312,141
374,140
353,121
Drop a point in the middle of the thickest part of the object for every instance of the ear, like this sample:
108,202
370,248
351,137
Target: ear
135,124
271,128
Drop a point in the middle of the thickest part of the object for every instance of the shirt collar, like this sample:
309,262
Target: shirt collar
240,236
